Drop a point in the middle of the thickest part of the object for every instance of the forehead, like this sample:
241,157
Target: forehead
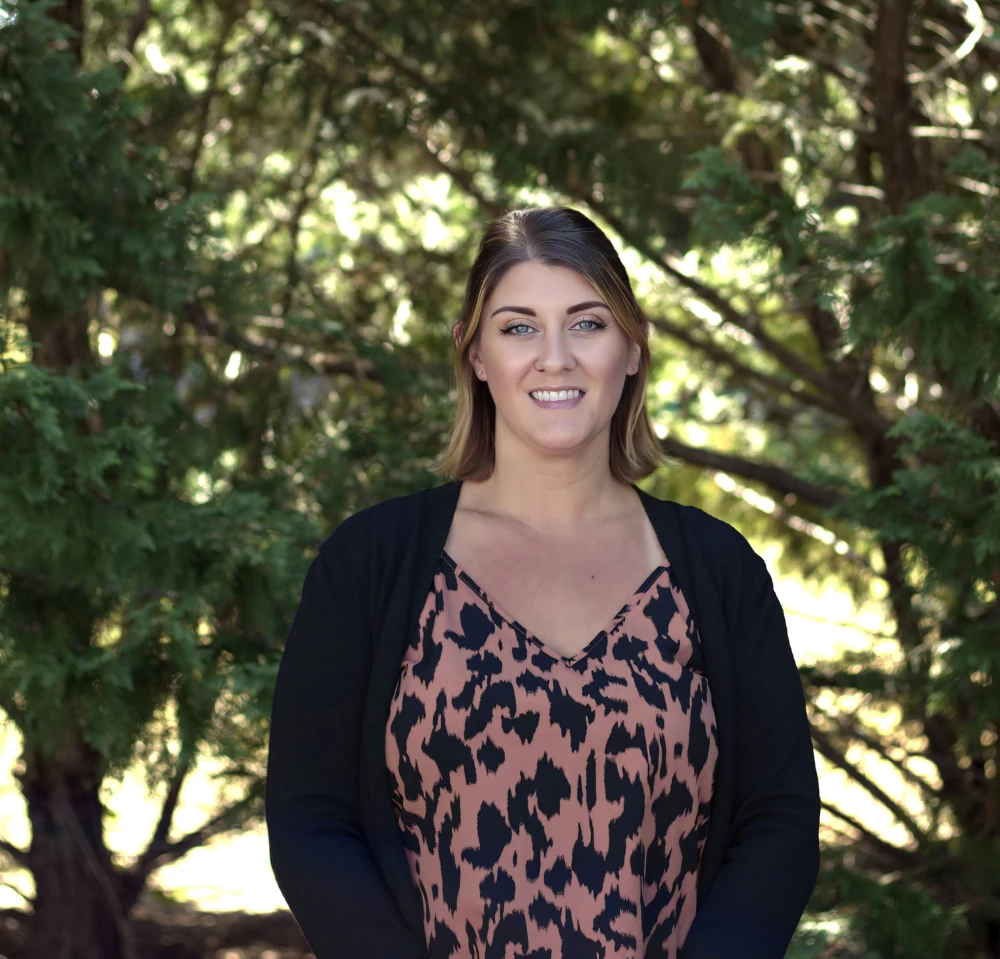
539,285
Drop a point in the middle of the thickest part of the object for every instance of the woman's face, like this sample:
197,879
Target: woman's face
547,327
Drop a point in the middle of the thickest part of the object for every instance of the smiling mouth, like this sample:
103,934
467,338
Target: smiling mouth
552,395
559,404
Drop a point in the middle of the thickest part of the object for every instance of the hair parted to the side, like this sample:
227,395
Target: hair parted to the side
557,236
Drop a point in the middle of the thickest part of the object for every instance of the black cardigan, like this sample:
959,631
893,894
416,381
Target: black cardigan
336,848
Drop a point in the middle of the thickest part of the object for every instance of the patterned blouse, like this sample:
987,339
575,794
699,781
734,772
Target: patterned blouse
552,807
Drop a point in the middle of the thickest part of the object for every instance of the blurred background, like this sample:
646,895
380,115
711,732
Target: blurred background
234,236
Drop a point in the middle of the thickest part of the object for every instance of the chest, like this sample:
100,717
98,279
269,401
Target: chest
564,592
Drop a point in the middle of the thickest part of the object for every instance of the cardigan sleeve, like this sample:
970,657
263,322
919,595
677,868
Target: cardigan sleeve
319,854
771,864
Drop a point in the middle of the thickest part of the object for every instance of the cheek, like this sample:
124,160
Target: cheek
611,371
510,372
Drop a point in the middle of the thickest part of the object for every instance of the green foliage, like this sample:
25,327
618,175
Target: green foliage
257,220
149,590
736,209
147,584
747,23
945,505
915,252
896,920
83,204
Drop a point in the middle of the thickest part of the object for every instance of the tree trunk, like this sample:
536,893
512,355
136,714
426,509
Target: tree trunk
78,912
71,13
63,342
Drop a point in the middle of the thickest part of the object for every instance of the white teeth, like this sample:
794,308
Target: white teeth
546,397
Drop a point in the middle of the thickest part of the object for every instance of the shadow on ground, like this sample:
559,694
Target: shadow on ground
175,931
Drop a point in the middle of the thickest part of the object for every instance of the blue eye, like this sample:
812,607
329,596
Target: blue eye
509,330
596,324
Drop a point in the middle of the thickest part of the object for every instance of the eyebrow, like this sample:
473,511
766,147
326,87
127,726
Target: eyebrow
588,305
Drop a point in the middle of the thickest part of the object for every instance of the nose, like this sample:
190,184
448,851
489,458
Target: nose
554,353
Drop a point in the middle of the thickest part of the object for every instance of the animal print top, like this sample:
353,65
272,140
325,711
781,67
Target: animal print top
552,807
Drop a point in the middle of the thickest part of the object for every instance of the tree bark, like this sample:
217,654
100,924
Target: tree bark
77,909
901,177
62,341
71,12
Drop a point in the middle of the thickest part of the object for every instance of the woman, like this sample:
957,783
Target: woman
624,769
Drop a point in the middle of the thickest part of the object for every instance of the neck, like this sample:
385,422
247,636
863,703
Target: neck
552,501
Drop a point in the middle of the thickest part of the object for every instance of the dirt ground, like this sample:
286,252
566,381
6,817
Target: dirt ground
170,931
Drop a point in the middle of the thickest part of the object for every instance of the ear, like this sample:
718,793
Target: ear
473,355
634,356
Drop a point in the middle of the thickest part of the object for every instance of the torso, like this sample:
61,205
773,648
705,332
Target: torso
565,590
551,747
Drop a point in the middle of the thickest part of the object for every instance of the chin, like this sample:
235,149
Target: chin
561,443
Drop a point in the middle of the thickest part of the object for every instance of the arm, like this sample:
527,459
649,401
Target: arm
771,865
319,854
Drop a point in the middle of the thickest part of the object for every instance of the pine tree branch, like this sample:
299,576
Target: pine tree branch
940,731
269,373
23,627
137,25
876,746
461,178
125,53
20,856
413,73
724,74
866,681
826,748
855,81
778,479
860,413
356,26
166,818
847,380
723,356
305,200
206,98
953,57
345,171
840,623
158,855
318,363
941,739
908,627
793,521
13,712
899,858
850,726
19,892
70,584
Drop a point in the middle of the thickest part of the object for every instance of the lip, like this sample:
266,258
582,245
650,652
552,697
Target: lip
554,389
558,404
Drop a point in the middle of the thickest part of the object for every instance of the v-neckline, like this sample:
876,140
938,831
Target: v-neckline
609,628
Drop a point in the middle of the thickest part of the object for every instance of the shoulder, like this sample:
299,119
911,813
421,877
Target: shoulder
719,548
710,527
373,529
712,535
726,572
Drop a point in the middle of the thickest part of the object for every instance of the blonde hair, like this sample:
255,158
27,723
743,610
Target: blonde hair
557,236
